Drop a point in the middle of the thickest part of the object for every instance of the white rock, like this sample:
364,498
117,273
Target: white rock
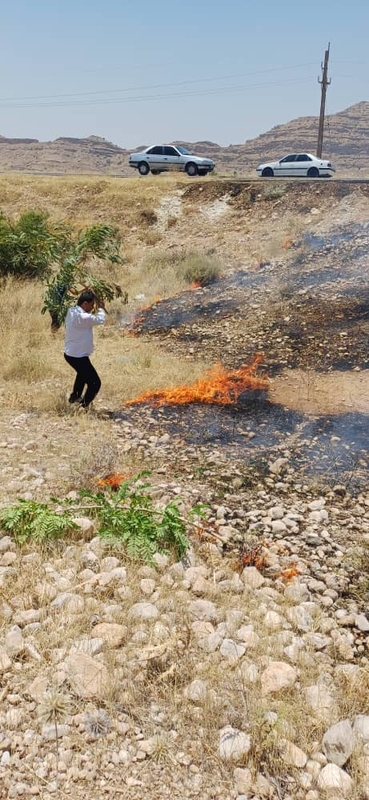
248,636
85,527
14,643
196,691
234,745
338,742
112,633
88,677
243,780
5,662
362,623
296,592
361,727
276,512
333,779
231,650
292,755
252,578
203,610
144,611
277,677
300,618
321,701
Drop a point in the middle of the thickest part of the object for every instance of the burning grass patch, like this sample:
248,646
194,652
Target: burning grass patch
218,387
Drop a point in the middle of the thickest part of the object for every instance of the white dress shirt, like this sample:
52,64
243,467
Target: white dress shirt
79,331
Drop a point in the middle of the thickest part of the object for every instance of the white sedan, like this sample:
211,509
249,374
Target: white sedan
165,157
296,165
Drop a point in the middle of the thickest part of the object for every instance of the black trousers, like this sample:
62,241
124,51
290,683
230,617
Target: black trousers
86,376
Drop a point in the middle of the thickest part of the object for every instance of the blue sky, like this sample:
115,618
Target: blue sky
143,72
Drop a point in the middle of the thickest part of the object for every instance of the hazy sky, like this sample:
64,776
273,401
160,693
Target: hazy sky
145,72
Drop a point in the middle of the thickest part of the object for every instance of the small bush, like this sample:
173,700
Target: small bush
200,268
28,246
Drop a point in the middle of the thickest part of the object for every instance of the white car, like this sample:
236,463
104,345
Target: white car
296,165
165,157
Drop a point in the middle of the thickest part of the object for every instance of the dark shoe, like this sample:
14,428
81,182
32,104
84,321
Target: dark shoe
74,398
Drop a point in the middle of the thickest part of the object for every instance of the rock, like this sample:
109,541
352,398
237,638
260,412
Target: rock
5,662
361,727
277,677
338,742
143,611
85,528
38,687
90,646
300,618
234,745
203,610
292,755
321,701
88,678
252,578
112,633
333,779
243,780
196,691
231,650
14,643
362,623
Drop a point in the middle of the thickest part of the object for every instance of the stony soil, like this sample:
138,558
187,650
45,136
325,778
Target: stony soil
243,670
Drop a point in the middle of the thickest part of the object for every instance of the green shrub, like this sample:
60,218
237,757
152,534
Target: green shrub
29,245
125,516
200,268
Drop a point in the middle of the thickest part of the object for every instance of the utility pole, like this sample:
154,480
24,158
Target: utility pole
324,83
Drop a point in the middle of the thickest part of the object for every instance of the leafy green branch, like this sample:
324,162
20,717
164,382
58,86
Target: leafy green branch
127,516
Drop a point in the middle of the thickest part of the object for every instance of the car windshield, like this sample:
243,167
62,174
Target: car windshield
183,151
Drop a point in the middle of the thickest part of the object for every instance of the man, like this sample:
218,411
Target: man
79,345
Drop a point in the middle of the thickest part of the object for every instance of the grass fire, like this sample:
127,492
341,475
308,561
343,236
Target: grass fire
218,387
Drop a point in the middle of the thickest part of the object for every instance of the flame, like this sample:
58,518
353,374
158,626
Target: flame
290,573
218,387
114,480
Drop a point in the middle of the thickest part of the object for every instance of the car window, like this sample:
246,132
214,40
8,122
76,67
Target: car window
170,151
288,159
184,151
303,157
155,151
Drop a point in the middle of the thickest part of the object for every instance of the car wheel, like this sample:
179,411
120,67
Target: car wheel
143,168
313,172
267,173
191,169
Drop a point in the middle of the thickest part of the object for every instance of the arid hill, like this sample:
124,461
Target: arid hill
346,143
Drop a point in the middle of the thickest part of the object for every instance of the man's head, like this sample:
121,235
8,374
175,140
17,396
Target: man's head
87,300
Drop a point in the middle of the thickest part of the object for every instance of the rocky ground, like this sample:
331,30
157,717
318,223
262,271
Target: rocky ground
241,671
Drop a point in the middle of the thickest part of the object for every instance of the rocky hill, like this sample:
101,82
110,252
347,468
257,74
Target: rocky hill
346,143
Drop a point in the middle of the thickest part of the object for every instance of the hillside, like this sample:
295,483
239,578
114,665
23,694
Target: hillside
238,670
346,143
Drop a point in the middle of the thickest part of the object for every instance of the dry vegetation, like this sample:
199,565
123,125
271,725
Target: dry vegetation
162,251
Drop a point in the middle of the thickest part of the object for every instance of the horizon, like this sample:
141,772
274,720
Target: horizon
208,73
148,144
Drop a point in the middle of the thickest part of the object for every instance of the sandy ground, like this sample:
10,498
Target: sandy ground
322,393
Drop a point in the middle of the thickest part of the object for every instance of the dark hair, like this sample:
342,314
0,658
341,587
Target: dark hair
86,297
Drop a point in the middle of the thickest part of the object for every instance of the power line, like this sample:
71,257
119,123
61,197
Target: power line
155,86
172,95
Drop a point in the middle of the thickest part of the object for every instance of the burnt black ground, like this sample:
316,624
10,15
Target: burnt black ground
311,312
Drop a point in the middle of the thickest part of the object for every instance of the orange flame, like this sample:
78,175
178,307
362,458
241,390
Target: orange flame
114,480
290,573
218,387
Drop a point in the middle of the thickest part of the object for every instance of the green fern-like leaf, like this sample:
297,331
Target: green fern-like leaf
28,520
